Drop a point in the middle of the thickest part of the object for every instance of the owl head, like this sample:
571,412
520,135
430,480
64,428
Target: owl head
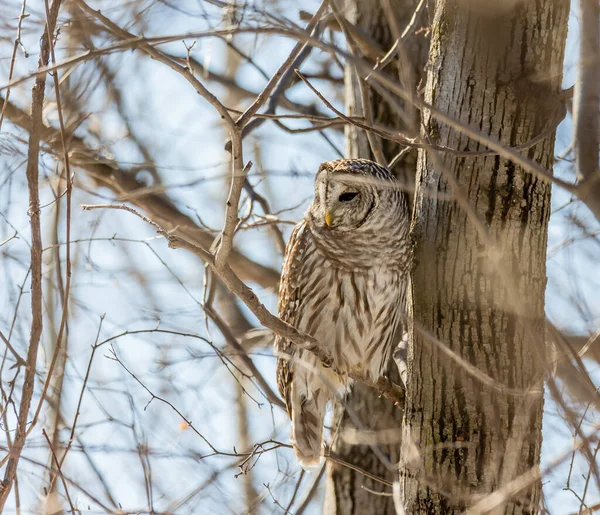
351,193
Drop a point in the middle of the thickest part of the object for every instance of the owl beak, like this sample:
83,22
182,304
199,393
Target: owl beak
328,218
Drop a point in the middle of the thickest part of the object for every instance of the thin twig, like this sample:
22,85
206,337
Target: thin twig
310,494
287,64
62,477
22,16
81,393
332,457
20,360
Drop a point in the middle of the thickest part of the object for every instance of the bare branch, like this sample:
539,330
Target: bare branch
32,173
288,64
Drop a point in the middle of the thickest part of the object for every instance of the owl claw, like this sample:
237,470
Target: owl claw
326,363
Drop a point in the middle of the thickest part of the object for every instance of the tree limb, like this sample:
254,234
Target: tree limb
32,173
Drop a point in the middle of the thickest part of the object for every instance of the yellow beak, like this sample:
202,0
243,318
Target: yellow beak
328,218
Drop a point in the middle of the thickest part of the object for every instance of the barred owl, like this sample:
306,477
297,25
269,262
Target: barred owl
344,282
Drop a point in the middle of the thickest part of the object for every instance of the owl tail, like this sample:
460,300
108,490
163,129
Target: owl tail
307,427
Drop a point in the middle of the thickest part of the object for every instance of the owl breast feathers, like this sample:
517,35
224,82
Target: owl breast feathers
344,282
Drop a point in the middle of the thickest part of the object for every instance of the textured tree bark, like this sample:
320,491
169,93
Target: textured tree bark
379,422
496,67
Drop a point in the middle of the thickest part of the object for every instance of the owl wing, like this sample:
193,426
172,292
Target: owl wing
289,296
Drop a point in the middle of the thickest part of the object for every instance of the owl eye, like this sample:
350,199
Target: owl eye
347,196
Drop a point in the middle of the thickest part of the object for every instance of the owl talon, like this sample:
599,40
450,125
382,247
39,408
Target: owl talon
326,363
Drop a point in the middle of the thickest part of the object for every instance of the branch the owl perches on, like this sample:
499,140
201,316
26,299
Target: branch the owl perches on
386,388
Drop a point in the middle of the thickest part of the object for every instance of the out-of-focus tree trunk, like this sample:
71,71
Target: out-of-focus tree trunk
496,67
379,420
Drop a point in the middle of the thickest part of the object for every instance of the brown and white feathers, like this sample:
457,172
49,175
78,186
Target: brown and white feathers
344,281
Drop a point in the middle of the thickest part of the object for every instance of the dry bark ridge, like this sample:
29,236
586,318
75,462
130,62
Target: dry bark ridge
462,439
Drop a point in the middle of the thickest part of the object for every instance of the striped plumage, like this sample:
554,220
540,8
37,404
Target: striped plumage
344,282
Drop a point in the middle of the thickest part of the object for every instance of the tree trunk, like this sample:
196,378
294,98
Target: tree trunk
379,422
495,66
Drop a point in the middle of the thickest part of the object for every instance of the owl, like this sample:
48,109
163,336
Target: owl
344,282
